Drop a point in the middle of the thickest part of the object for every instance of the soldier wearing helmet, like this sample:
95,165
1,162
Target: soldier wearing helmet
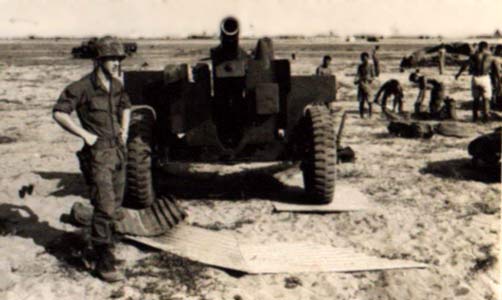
103,109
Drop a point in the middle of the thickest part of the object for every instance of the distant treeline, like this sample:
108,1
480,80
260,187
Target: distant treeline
205,36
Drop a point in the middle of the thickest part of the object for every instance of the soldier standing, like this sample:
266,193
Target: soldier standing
391,87
481,65
324,69
103,109
364,78
376,60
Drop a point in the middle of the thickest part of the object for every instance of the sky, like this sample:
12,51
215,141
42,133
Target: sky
160,18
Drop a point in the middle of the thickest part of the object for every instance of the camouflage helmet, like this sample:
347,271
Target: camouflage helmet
109,47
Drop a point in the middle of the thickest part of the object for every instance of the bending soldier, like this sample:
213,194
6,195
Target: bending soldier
103,109
364,78
481,65
391,88
437,94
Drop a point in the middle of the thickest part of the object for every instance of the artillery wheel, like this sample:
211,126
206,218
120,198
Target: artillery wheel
139,184
319,163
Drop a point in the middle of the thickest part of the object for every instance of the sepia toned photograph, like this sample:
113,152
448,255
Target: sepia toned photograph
250,150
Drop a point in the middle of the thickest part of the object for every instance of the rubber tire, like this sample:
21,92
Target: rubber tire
140,192
319,163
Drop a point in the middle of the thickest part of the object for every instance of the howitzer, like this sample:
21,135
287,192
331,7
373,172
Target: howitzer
229,42
237,108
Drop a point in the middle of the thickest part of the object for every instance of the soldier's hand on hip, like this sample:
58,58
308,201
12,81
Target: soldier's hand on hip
90,139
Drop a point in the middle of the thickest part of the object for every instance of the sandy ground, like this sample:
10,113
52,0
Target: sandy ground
430,207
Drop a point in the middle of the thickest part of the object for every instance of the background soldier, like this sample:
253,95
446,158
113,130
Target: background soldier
391,87
364,78
103,109
324,69
376,60
481,65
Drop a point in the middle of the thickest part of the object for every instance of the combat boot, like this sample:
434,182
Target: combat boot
106,266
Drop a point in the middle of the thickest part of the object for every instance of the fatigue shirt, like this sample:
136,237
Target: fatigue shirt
98,110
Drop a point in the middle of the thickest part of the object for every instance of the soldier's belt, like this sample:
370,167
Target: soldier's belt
104,143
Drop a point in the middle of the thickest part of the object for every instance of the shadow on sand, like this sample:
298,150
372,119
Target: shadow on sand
70,184
21,221
246,184
462,169
250,183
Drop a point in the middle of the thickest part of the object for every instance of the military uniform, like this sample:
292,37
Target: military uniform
104,163
365,76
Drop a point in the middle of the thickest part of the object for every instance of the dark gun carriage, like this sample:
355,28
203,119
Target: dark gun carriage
236,108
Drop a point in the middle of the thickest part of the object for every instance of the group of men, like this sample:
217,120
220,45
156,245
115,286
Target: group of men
365,75
104,109
483,67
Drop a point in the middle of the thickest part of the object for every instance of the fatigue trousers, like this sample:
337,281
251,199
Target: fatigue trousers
363,96
104,168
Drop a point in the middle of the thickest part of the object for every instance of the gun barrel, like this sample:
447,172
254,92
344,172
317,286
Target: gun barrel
229,28
229,37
